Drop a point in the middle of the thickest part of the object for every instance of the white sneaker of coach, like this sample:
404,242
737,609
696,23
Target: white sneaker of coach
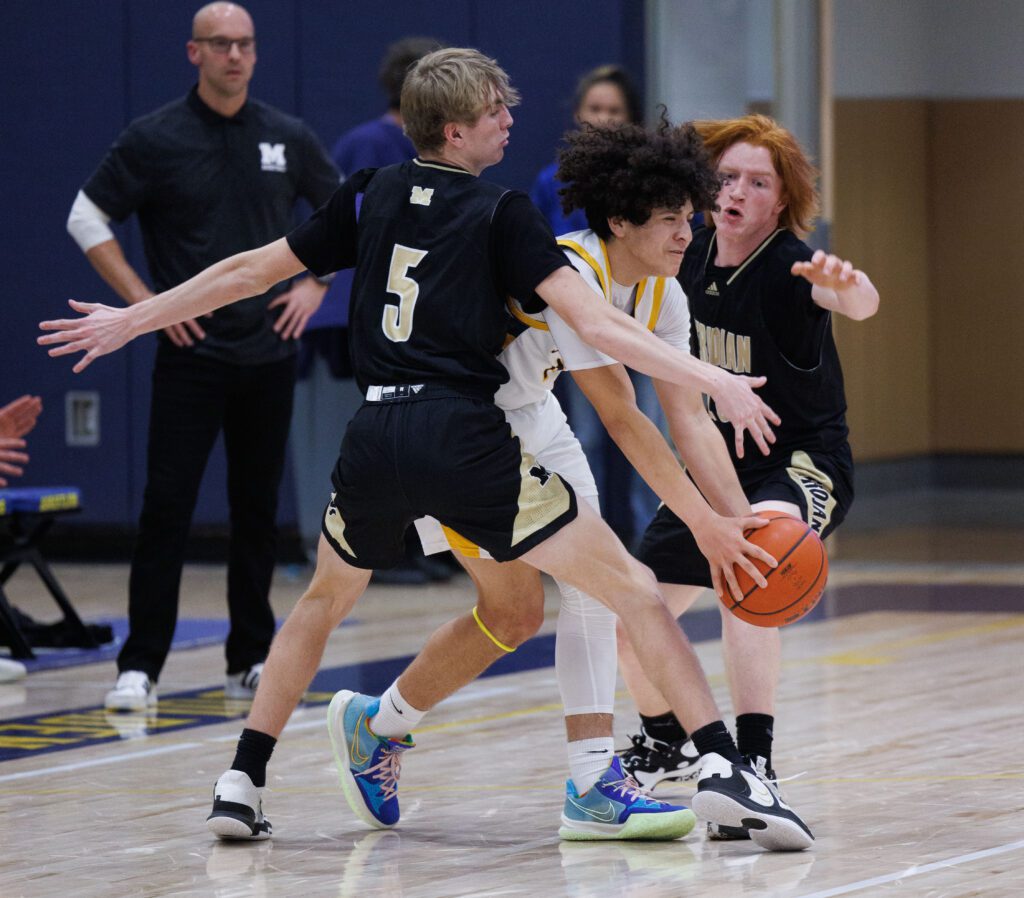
11,671
243,685
134,691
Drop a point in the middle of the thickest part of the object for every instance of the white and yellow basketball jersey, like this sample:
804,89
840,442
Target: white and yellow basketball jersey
533,359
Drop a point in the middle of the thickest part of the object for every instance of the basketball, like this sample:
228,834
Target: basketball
795,586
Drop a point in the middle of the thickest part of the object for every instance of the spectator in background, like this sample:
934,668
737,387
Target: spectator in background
328,396
605,96
208,175
17,418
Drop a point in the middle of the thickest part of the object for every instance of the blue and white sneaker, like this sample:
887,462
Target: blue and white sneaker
742,797
368,765
617,808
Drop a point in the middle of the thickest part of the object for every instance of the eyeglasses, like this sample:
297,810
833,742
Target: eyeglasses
222,45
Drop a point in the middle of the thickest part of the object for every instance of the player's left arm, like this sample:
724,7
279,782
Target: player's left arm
620,336
104,329
838,286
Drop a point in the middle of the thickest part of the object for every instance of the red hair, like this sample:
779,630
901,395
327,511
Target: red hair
795,170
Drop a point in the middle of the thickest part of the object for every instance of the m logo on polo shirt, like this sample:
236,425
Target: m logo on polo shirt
272,157
421,196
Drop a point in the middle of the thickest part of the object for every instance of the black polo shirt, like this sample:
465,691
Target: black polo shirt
205,187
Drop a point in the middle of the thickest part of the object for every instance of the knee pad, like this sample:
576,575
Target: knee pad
585,654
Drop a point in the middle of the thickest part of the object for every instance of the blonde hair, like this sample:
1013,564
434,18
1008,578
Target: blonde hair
795,170
450,85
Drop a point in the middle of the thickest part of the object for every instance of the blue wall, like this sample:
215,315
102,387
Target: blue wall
73,75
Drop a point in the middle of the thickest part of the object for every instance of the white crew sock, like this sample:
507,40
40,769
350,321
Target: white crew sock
588,759
396,717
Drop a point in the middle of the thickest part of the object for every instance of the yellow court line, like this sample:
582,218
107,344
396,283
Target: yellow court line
490,718
921,778
882,652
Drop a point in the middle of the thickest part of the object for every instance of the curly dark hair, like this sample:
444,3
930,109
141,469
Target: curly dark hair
628,171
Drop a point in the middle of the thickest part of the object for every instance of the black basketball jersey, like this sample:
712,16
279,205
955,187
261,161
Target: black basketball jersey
755,319
437,251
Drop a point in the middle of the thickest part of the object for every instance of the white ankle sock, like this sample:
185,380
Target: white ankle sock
588,759
396,717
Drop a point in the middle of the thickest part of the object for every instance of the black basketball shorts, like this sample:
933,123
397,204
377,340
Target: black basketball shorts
819,485
448,456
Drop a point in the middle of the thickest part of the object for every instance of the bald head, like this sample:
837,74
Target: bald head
214,15
223,49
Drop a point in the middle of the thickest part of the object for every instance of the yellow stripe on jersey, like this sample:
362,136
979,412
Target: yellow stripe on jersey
659,294
592,262
520,315
603,277
460,544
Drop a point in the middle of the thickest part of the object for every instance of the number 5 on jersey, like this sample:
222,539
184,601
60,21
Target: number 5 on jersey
397,319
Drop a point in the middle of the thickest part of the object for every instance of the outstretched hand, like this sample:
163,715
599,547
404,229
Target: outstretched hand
102,329
736,402
11,459
828,271
19,416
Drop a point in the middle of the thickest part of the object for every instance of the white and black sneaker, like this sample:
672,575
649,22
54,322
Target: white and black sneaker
237,809
243,685
739,796
133,691
652,762
720,833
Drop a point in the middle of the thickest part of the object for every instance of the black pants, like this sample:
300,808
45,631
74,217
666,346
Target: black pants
194,399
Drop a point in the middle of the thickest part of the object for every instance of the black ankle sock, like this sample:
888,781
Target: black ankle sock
253,753
754,735
665,727
716,738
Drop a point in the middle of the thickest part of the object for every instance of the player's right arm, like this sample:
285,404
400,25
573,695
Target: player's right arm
104,329
702,449
719,538
88,225
620,336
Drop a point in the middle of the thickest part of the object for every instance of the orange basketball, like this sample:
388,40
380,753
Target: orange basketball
795,586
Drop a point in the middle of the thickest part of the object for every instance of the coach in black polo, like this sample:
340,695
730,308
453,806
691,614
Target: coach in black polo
208,176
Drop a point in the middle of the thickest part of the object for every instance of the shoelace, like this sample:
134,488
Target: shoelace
630,789
638,749
386,771
770,777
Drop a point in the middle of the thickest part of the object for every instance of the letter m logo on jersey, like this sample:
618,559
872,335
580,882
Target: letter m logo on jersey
272,157
421,196
541,473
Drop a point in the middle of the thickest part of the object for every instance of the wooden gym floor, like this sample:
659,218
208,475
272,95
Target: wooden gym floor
899,715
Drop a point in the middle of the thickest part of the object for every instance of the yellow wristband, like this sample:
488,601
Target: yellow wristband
489,634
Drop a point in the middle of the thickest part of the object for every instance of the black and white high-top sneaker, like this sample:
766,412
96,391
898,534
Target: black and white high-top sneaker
721,833
741,797
651,762
237,809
